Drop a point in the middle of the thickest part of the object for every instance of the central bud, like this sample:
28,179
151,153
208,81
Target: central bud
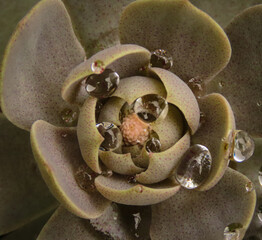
134,130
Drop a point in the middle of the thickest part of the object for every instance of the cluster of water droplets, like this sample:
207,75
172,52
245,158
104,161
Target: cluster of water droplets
197,86
161,58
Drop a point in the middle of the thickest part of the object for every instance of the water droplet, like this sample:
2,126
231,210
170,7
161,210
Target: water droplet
259,213
221,84
194,167
249,187
85,178
243,146
69,116
98,67
111,134
150,107
64,134
161,58
131,179
137,219
139,188
197,87
259,103
102,85
233,231
153,144
107,173
260,175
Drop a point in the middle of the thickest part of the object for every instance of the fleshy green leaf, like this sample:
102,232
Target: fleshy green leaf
197,215
162,164
118,189
126,60
24,195
240,82
215,133
198,45
65,225
58,156
39,56
96,22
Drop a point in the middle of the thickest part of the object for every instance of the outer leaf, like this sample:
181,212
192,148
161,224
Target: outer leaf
19,176
197,43
58,156
240,82
204,215
38,58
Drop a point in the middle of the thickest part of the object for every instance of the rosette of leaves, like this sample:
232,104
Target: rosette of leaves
43,82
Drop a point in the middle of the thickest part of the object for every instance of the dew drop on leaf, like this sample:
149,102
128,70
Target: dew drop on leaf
249,187
197,86
243,146
69,117
102,85
153,144
233,231
98,66
111,134
194,166
161,59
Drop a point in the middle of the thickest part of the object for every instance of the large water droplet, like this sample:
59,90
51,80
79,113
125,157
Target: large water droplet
194,166
260,175
111,134
69,116
233,231
98,67
259,212
85,178
197,87
243,146
139,188
102,85
153,144
150,107
161,58
249,187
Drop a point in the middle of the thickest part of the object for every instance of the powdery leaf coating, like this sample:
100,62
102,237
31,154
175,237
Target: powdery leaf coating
118,222
117,189
123,59
119,163
35,65
197,215
89,18
18,177
65,225
89,137
162,164
58,156
215,133
241,79
135,87
216,9
110,111
170,129
198,45
179,94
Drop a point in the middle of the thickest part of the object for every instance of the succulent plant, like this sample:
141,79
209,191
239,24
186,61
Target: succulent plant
134,134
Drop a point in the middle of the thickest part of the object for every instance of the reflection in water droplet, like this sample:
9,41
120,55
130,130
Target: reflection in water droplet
131,179
233,231
221,84
249,187
194,166
196,85
111,134
69,116
243,146
259,212
139,188
160,58
99,106
260,175
153,144
150,107
98,67
102,85
85,178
